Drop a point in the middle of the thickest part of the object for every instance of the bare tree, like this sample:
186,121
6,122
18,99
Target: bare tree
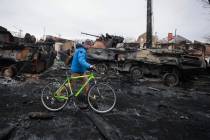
206,3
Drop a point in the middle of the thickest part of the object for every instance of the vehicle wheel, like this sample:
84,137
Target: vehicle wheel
136,73
171,79
50,100
40,67
112,73
101,68
9,71
208,70
101,98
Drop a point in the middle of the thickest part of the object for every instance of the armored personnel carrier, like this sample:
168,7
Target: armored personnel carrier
128,57
20,55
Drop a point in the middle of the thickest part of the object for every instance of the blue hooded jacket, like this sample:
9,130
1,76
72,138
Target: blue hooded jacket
79,63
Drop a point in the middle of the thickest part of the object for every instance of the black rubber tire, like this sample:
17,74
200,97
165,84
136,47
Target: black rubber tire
171,79
9,71
101,68
40,67
208,70
47,94
97,93
136,73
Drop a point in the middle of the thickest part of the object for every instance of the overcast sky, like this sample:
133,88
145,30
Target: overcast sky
120,17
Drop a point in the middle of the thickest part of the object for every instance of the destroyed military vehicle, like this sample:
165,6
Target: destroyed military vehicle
24,55
128,57
207,56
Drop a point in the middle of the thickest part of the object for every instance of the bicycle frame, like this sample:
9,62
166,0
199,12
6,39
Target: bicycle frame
68,81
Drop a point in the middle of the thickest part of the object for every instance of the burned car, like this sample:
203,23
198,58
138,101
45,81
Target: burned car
24,55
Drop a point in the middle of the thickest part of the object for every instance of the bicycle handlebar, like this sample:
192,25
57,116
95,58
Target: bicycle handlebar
92,70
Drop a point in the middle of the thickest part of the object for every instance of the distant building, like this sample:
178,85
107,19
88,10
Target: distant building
143,38
171,41
174,39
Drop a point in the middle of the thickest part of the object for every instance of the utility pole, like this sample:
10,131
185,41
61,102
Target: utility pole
44,32
149,24
20,33
175,36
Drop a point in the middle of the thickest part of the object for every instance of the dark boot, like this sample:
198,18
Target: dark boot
83,103
93,102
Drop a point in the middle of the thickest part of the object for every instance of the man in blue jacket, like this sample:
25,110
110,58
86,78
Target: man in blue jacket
80,65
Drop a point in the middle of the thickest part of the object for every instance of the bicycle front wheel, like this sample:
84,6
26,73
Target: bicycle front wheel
101,98
54,101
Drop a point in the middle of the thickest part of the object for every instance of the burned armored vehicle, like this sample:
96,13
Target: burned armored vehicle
24,55
168,64
128,57
207,56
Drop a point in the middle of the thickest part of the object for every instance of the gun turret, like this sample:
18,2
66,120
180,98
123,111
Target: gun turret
110,41
90,34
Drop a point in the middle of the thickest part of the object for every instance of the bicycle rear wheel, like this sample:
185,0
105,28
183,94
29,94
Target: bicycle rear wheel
101,98
54,101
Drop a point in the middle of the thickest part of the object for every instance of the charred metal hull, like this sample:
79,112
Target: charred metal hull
30,59
177,58
157,62
24,56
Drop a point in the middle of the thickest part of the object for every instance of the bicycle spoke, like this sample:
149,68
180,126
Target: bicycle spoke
52,102
105,100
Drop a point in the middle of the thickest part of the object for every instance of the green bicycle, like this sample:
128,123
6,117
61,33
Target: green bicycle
101,96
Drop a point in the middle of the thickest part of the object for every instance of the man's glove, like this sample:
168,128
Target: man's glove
93,67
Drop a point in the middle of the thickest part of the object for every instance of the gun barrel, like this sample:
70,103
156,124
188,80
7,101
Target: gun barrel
89,34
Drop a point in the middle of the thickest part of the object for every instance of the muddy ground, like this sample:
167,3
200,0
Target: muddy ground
147,110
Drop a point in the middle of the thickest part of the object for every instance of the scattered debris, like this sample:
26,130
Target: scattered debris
6,132
133,111
184,117
40,115
105,129
152,88
8,81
